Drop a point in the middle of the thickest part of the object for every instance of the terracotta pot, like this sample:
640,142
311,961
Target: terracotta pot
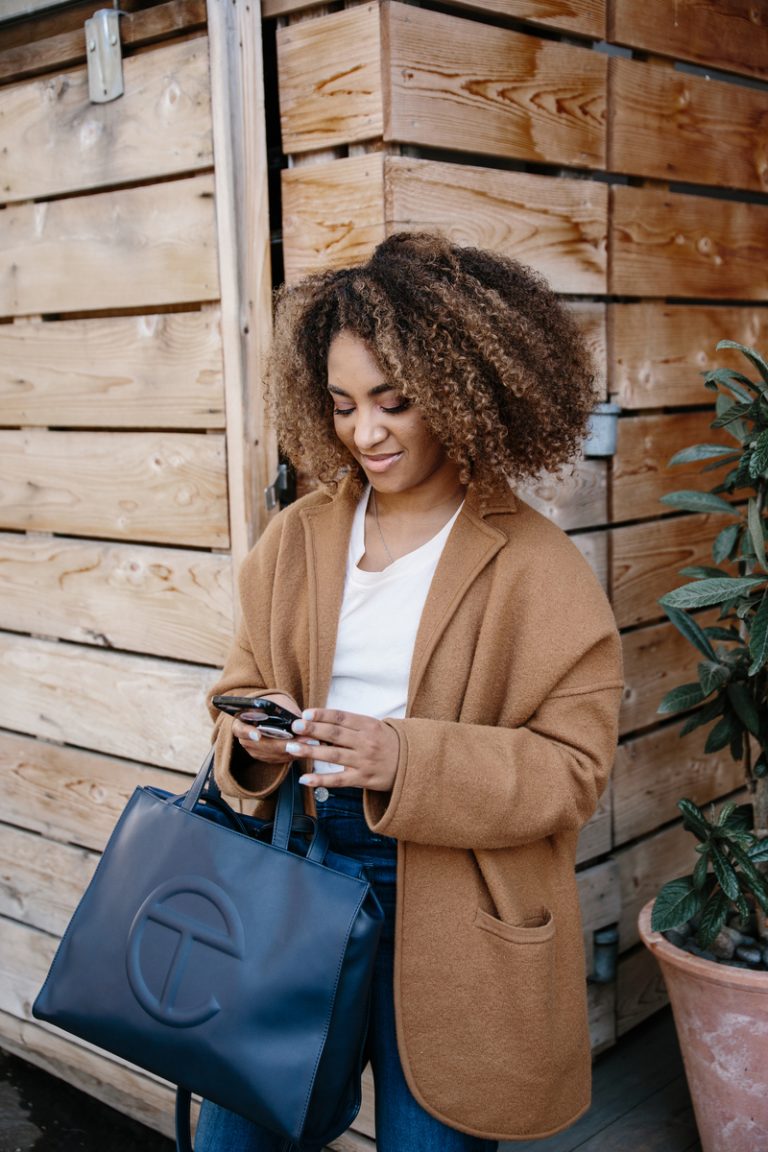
721,1016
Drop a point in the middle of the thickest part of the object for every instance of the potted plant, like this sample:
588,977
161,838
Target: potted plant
708,929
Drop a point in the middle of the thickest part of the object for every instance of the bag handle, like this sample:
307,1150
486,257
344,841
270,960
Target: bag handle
289,812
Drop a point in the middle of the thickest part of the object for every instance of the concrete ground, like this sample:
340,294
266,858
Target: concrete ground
39,1113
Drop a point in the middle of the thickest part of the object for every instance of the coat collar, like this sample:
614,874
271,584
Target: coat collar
471,545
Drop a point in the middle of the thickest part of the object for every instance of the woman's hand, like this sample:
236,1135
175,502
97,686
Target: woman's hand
367,748
257,744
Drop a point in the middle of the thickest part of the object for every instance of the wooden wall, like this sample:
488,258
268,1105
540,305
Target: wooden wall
584,139
134,309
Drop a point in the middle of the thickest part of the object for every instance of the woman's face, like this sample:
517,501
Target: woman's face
374,422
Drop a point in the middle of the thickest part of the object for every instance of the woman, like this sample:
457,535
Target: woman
456,669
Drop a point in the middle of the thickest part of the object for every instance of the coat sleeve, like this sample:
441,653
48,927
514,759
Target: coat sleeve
248,671
477,786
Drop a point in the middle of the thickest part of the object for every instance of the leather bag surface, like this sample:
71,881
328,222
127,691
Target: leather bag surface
230,956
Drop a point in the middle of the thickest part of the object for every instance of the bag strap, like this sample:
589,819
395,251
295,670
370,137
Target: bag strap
183,1121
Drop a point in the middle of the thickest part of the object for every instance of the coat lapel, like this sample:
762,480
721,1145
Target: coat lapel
471,545
326,528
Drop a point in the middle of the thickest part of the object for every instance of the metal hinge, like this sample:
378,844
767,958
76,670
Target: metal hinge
279,491
104,55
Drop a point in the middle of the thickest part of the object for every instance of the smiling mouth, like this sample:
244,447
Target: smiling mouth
381,463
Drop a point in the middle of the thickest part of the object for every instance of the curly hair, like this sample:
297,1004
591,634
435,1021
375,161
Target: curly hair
480,344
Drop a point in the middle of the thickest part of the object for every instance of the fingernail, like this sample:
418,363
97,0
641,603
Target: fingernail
253,734
304,779
314,743
298,726
293,748
308,714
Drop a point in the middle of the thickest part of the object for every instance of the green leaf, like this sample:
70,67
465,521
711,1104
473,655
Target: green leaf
758,640
725,873
725,813
713,916
717,633
681,698
694,819
677,902
690,501
758,463
700,452
739,819
755,880
731,414
743,704
736,382
692,631
712,675
755,523
754,357
713,591
699,877
704,715
721,735
704,572
758,852
725,542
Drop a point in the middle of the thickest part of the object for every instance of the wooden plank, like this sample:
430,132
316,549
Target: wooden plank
668,125
644,867
145,1098
731,35
658,352
243,235
41,881
333,214
601,1006
13,9
640,990
576,497
39,48
69,795
665,244
134,706
137,247
584,17
329,74
556,226
162,371
653,771
646,560
475,88
595,836
594,548
163,601
55,140
656,659
641,473
591,318
165,487
598,888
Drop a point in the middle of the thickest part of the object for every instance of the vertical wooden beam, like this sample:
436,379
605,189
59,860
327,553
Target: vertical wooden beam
240,156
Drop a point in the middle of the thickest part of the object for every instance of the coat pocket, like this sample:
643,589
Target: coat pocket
536,929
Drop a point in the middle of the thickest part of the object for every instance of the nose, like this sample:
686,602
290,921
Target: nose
369,429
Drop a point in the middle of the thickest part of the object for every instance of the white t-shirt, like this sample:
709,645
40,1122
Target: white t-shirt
379,619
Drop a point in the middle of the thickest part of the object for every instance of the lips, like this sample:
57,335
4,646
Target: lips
380,463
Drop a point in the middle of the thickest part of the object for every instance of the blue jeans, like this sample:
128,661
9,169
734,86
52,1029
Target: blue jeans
402,1125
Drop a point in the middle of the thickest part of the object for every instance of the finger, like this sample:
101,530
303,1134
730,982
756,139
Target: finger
339,779
325,753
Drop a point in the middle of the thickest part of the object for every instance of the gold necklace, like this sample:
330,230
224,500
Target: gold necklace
381,534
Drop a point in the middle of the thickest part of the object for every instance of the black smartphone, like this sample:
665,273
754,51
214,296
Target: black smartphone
263,714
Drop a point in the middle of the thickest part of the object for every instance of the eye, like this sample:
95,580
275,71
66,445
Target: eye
342,411
393,409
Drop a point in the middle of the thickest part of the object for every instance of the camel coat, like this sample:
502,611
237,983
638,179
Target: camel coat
507,743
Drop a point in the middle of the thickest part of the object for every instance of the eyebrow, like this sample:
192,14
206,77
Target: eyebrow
376,391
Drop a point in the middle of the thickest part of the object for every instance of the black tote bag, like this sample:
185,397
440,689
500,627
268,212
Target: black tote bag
229,956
